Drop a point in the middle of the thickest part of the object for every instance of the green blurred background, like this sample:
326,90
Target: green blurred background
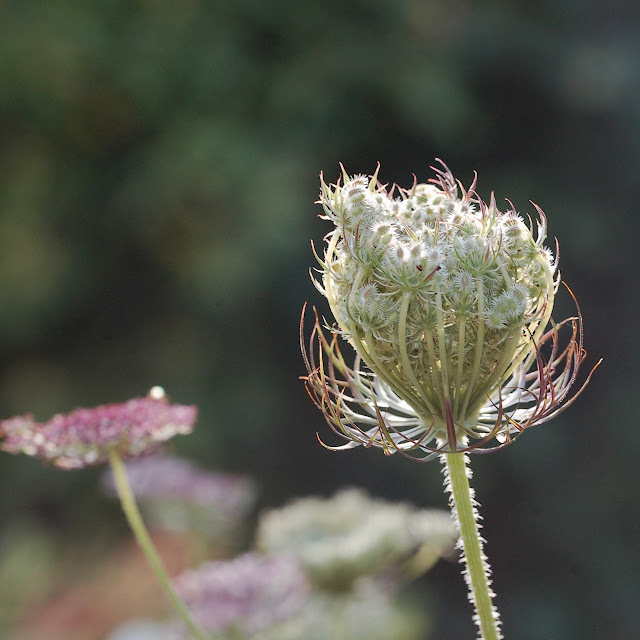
159,164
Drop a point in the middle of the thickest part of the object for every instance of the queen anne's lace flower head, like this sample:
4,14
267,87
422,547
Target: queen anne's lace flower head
86,437
447,302
350,536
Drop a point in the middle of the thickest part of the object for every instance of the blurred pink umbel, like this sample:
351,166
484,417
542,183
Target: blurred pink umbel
177,495
251,594
86,437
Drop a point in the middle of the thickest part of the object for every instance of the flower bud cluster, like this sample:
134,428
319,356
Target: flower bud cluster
442,295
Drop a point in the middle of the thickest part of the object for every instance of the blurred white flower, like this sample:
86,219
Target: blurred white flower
341,539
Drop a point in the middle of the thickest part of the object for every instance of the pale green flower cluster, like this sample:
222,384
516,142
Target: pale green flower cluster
350,536
441,295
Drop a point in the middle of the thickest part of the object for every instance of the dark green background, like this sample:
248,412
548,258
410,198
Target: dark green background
159,163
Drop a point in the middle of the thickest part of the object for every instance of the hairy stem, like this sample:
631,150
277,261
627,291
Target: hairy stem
477,571
136,523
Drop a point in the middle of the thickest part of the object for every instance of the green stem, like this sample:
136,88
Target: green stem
477,570
136,523
340,619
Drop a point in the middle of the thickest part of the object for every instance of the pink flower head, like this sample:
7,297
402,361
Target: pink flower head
169,477
247,595
85,437
176,494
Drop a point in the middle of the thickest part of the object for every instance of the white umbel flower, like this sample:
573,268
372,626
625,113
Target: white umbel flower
350,536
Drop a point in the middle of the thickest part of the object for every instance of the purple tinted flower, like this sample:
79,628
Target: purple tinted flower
85,437
165,476
247,595
174,492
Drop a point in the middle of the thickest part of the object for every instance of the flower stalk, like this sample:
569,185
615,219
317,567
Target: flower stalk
477,571
141,534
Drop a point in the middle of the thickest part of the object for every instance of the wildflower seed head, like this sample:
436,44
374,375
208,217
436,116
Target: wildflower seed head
497,289
444,298
86,437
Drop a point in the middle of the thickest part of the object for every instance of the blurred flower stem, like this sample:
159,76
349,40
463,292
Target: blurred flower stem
137,525
477,568
342,622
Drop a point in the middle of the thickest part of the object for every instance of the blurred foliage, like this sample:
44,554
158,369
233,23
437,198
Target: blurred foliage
158,167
